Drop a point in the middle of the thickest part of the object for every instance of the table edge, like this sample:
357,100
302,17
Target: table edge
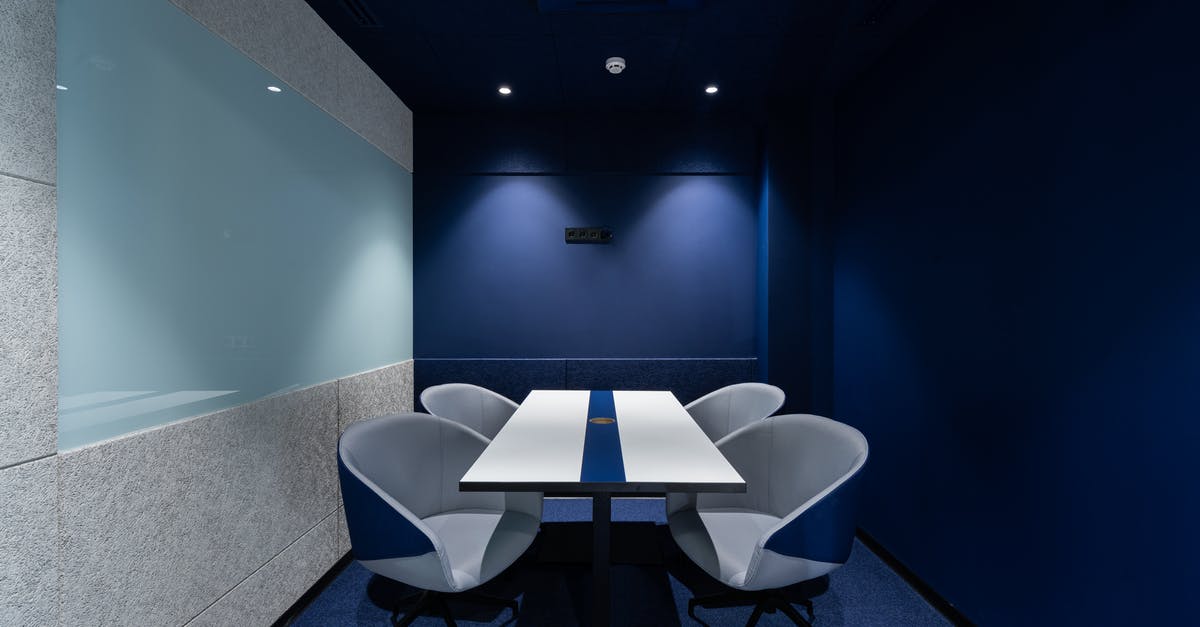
554,487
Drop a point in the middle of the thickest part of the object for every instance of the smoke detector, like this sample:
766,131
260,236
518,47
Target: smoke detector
615,65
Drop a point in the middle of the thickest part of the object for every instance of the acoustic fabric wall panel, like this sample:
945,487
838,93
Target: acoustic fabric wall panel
319,65
1016,307
513,378
158,525
496,279
552,144
27,100
688,379
28,334
28,309
219,242
29,543
28,317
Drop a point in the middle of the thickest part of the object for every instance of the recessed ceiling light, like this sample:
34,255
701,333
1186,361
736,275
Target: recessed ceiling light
60,88
711,89
273,88
504,90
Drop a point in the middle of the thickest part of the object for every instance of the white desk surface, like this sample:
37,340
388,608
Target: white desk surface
661,448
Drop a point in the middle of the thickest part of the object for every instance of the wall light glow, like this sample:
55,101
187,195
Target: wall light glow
504,90
711,89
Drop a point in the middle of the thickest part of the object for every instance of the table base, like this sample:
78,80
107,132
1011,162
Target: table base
601,577
638,543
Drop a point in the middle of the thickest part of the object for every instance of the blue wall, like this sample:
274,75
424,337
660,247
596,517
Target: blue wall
688,379
797,199
494,278
1017,305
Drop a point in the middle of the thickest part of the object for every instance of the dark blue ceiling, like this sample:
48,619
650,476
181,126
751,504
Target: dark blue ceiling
450,56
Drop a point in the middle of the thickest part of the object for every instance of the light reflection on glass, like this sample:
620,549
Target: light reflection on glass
215,246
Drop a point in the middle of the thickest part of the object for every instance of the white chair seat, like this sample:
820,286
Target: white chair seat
795,521
479,544
722,541
405,515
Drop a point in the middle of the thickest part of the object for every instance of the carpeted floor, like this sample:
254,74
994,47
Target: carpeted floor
862,592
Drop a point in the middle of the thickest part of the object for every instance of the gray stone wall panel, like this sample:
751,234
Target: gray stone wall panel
28,543
28,132
263,597
388,390
290,40
28,320
343,537
159,524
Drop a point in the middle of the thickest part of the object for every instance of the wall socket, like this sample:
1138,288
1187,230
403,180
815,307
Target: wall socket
588,235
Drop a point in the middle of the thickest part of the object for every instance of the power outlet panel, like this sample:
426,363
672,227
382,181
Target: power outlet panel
588,235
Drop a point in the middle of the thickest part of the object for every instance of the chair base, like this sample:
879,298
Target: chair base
436,601
768,601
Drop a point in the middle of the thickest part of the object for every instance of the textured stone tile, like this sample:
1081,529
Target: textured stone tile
343,539
28,135
359,90
159,524
28,318
513,378
289,39
263,597
388,390
28,543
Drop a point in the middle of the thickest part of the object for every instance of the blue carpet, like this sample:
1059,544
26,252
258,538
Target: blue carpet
862,592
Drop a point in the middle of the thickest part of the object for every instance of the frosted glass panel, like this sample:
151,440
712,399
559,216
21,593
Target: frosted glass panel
218,242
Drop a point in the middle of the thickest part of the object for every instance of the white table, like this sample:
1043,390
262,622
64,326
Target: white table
643,442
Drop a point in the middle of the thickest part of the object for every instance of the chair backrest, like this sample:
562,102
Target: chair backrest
732,407
478,408
802,469
397,469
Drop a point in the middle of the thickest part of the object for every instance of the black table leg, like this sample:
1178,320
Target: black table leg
601,524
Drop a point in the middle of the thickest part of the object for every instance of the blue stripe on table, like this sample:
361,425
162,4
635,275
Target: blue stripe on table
602,461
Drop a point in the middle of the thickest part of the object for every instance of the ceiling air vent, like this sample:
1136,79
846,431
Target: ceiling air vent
359,12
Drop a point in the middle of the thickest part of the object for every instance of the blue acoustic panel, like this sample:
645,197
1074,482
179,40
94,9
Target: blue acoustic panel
688,379
665,145
587,144
645,6
494,278
1022,356
502,145
513,378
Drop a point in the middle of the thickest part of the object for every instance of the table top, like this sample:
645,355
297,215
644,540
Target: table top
554,444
